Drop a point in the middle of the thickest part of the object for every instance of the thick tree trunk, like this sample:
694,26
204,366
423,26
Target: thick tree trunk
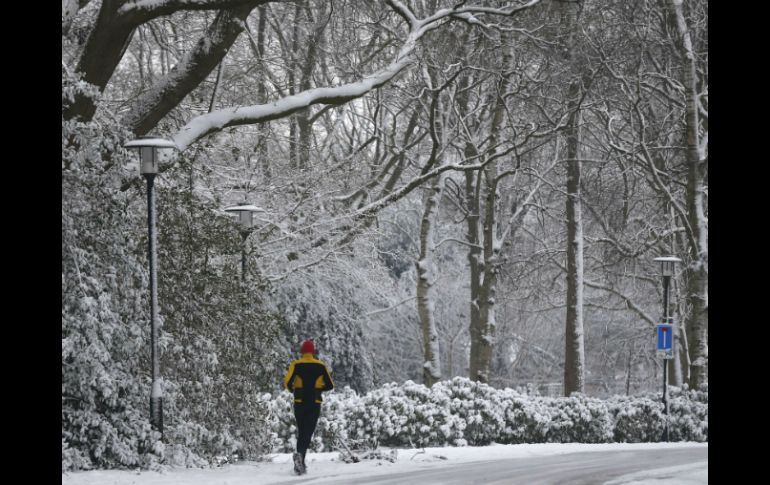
574,347
483,339
488,289
472,180
681,342
426,275
697,323
425,279
697,163
574,354
101,55
304,122
472,236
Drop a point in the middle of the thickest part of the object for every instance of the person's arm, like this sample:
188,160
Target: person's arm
288,381
328,382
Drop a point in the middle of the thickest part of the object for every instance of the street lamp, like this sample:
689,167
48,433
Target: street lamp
245,214
153,150
666,329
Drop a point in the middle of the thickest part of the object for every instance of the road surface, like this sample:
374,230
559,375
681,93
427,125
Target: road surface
592,468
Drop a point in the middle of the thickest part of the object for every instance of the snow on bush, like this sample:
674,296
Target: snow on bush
637,419
641,419
579,419
688,412
211,379
461,412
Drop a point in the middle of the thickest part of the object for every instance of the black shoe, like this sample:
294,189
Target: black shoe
299,466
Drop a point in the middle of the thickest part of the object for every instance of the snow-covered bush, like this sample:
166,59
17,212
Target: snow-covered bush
73,458
281,425
637,419
413,415
480,406
332,428
219,348
579,419
688,414
104,400
527,420
641,418
460,412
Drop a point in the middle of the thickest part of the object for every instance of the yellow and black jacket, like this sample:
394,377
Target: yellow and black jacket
304,371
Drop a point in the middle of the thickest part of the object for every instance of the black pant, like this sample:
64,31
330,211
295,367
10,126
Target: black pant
307,417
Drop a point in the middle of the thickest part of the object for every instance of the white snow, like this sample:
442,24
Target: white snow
278,468
150,142
673,259
246,207
157,390
690,474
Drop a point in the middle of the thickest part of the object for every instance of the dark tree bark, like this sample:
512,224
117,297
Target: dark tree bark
148,109
111,35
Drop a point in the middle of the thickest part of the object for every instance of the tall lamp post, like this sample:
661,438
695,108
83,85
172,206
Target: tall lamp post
245,213
151,151
665,330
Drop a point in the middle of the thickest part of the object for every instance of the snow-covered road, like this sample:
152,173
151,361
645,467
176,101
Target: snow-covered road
575,469
552,463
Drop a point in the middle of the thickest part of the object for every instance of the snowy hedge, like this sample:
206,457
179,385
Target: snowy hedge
211,379
640,419
460,412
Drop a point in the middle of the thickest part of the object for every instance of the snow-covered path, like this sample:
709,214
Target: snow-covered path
570,463
574,468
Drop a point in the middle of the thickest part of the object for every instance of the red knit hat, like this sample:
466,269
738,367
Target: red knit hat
307,347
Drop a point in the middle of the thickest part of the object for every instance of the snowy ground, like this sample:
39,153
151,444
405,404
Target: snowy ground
326,467
692,474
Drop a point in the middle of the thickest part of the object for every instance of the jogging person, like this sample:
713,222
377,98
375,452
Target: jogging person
307,378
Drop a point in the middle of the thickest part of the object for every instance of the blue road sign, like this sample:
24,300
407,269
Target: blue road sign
665,336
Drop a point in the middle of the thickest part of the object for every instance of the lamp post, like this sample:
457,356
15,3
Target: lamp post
667,267
151,151
245,213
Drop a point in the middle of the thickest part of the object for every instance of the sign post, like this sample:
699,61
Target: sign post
664,332
665,340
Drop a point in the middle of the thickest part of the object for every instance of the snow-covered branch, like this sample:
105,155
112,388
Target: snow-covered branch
212,122
458,241
155,7
217,120
151,106
404,12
